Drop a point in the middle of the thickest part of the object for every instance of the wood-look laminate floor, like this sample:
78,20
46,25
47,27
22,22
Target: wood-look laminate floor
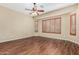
39,46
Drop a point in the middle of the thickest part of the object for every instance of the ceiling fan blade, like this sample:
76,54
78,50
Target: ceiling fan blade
30,13
28,9
40,10
41,6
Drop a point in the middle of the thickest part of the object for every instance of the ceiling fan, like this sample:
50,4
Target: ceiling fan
35,9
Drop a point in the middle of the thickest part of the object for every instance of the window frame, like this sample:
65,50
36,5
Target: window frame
71,16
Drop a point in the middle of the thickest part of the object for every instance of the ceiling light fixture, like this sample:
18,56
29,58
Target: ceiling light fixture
36,10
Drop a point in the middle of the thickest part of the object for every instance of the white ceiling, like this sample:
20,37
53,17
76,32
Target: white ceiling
20,7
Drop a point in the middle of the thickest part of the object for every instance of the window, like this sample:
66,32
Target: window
57,25
43,25
73,24
51,25
47,27
36,26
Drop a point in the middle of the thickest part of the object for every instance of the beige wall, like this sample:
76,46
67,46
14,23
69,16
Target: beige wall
14,25
65,24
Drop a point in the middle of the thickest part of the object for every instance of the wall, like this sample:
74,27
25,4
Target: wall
14,25
65,24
